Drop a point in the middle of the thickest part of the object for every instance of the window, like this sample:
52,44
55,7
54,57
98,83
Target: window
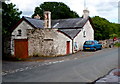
19,32
89,43
84,34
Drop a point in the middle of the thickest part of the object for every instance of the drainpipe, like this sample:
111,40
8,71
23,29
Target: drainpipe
72,46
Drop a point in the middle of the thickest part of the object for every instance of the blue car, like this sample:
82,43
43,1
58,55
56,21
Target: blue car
92,45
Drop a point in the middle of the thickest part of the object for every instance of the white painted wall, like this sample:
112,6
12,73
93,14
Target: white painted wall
80,39
23,26
61,42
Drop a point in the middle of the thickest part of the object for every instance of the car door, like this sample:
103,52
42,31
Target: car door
97,45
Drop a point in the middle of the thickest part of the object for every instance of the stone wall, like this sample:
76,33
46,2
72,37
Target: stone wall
46,42
23,26
107,43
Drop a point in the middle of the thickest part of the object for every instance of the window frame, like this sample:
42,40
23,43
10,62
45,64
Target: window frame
19,32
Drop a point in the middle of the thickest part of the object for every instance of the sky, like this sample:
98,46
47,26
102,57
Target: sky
104,8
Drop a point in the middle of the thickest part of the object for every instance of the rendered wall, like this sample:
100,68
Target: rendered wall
80,39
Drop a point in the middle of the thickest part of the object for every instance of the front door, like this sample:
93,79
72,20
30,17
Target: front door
21,48
68,47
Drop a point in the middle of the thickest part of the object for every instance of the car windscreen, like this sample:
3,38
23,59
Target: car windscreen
88,43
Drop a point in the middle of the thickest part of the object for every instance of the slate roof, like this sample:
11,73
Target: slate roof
69,27
60,23
35,22
71,33
69,23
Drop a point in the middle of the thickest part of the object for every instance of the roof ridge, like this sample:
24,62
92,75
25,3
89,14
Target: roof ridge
31,18
66,19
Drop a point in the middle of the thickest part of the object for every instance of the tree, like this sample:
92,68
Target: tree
59,10
105,29
118,29
101,28
10,15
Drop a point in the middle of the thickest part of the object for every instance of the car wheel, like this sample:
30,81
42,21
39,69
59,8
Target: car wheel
110,46
101,48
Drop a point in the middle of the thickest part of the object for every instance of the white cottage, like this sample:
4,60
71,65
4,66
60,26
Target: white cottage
48,37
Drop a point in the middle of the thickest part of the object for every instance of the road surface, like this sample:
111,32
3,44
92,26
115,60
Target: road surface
86,69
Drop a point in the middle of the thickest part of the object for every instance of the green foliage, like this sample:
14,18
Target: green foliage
117,44
10,15
114,30
104,29
113,35
58,9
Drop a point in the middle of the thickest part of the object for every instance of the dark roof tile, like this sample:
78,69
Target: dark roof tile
70,32
60,23
70,27
35,22
69,23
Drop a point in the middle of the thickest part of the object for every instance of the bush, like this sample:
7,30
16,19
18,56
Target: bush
117,44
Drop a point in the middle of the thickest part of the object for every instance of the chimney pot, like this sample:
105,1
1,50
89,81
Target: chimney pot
86,13
37,17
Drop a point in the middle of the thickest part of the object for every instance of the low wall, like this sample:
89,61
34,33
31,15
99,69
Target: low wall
107,43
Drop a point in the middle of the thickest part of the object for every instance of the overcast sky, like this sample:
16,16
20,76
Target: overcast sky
104,8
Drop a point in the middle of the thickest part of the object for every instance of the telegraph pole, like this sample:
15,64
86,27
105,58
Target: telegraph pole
84,4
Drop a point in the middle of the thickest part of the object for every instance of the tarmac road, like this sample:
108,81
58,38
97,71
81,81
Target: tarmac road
85,69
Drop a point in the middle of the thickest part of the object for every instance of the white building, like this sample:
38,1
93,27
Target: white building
50,37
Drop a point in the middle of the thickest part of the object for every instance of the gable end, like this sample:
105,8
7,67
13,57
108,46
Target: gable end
20,21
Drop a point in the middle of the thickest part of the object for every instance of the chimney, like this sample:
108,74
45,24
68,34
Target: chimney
37,17
47,19
86,13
